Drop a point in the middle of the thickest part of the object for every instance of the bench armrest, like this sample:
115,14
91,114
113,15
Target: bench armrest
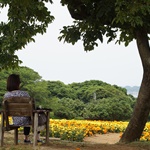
42,110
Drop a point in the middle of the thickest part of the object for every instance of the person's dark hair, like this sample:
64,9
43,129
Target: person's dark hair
13,82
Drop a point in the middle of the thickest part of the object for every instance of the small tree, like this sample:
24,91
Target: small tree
123,20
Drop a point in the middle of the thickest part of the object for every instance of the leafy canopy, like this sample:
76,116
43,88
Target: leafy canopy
25,19
115,19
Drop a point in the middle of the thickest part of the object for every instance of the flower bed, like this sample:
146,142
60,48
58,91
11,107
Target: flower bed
76,130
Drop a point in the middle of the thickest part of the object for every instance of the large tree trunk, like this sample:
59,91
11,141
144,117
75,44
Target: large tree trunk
142,107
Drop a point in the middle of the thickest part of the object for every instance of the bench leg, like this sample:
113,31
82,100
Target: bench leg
2,129
35,129
47,128
16,136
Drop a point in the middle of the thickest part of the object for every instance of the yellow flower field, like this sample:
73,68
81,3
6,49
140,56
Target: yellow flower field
76,130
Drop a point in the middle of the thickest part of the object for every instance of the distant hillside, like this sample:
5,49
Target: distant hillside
133,90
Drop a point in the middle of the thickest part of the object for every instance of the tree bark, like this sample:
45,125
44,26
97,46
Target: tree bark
142,107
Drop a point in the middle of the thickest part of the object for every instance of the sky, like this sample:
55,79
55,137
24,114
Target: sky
58,61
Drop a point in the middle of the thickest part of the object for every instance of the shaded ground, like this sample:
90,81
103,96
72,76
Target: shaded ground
96,142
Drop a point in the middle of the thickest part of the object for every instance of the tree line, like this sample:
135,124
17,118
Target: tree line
94,99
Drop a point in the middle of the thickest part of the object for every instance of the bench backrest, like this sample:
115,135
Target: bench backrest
17,106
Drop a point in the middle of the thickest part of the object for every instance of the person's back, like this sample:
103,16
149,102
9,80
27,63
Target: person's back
18,120
13,90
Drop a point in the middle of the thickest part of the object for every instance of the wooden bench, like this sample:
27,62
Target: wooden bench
22,106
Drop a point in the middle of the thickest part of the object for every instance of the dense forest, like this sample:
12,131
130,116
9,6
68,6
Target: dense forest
93,100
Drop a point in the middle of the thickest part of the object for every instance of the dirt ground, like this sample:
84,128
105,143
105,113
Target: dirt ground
96,142
110,138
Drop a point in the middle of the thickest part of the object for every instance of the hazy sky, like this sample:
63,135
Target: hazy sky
55,60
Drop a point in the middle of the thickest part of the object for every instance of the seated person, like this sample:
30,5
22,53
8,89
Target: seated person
13,90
